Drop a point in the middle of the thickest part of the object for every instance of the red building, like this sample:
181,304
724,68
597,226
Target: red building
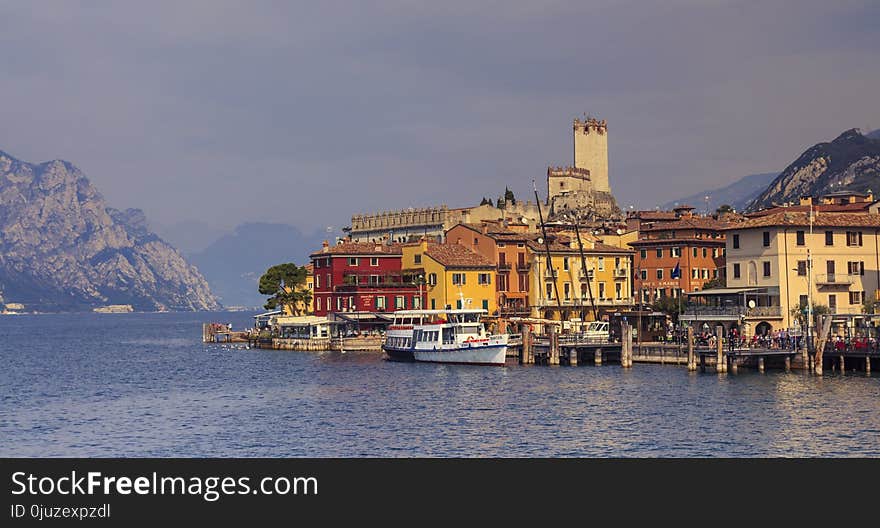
362,277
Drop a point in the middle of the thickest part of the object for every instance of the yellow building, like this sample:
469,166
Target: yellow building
768,275
454,276
310,287
605,284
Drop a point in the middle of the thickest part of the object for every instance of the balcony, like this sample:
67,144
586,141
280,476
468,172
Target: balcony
523,266
729,312
550,274
585,302
504,266
620,273
835,279
588,275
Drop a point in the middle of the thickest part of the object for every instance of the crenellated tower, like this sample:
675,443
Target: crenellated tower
591,150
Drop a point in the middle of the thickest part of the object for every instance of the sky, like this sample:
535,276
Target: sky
209,114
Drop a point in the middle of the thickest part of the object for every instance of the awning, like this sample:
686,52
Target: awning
363,317
724,291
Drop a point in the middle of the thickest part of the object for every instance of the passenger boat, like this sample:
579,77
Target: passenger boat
444,336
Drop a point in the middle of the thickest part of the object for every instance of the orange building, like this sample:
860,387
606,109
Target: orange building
693,243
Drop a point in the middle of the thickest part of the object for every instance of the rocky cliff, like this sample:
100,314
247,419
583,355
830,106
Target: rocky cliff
849,163
63,249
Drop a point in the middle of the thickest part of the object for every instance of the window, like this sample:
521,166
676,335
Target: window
644,274
832,303
695,273
601,265
802,268
502,259
736,273
766,268
618,290
676,252
485,304
855,268
417,258
310,286
659,252
705,273
714,252
433,304
829,238
484,278
432,279
339,304
735,241
502,244
565,263
328,281
549,290
523,282
643,254
855,297
375,279
616,262
521,245
521,258
502,281
803,300
380,302
659,273
374,261
715,273
318,304
566,291
317,281
317,264
705,252
694,252
399,302
416,302
459,278
766,235
601,290
353,261
799,237
854,238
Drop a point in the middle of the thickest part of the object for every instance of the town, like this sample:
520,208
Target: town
783,283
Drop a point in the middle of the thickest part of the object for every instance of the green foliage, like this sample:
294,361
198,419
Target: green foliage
508,197
717,282
800,313
670,306
726,208
486,201
285,283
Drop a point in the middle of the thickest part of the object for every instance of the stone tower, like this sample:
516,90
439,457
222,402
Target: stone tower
591,150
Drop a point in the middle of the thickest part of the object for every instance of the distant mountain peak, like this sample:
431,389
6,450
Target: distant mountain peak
62,248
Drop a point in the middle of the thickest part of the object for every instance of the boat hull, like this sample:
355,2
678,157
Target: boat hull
397,354
470,355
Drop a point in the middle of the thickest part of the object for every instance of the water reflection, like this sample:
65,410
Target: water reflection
111,386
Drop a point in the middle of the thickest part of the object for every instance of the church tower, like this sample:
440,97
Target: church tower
591,150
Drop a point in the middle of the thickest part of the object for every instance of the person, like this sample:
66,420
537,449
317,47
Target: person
732,337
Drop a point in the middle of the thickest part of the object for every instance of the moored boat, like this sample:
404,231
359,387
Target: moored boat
445,336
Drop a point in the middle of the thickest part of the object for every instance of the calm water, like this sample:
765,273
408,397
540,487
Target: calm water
144,385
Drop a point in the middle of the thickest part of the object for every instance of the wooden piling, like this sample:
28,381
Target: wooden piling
525,351
702,363
626,346
598,358
719,350
554,345
824,327
573,356
788,363
761,364
867,364
734,368
842,365
692,360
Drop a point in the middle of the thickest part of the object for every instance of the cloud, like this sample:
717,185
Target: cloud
306,113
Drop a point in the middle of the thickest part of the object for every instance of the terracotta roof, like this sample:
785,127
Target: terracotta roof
688,241
457,256
693,222
802,219
360,248
829,208
310,268
652,215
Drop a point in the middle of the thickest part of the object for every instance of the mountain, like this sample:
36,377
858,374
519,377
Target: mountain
234,263
63,249
851,162
738,194
873,135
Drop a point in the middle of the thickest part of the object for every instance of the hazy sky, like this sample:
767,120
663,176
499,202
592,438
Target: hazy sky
223,112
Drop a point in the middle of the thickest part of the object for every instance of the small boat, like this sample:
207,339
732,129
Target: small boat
446,336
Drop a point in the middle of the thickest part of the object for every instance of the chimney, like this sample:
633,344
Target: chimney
325,246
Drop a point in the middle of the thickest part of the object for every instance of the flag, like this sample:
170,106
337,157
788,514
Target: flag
676,272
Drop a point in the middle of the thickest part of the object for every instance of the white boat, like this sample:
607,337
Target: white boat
398,335
447,336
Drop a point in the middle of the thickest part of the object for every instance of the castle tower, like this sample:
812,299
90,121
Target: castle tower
591,150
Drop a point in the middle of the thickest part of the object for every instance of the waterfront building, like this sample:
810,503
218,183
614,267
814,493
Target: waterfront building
505,246
362,278
454,276
768,276
679,255
568,290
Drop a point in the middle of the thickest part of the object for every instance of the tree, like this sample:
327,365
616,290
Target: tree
286,285
717,282
799,313
486,201
508,197
670,306
726,208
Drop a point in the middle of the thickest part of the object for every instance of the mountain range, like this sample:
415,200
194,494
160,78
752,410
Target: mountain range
847,163
62,248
